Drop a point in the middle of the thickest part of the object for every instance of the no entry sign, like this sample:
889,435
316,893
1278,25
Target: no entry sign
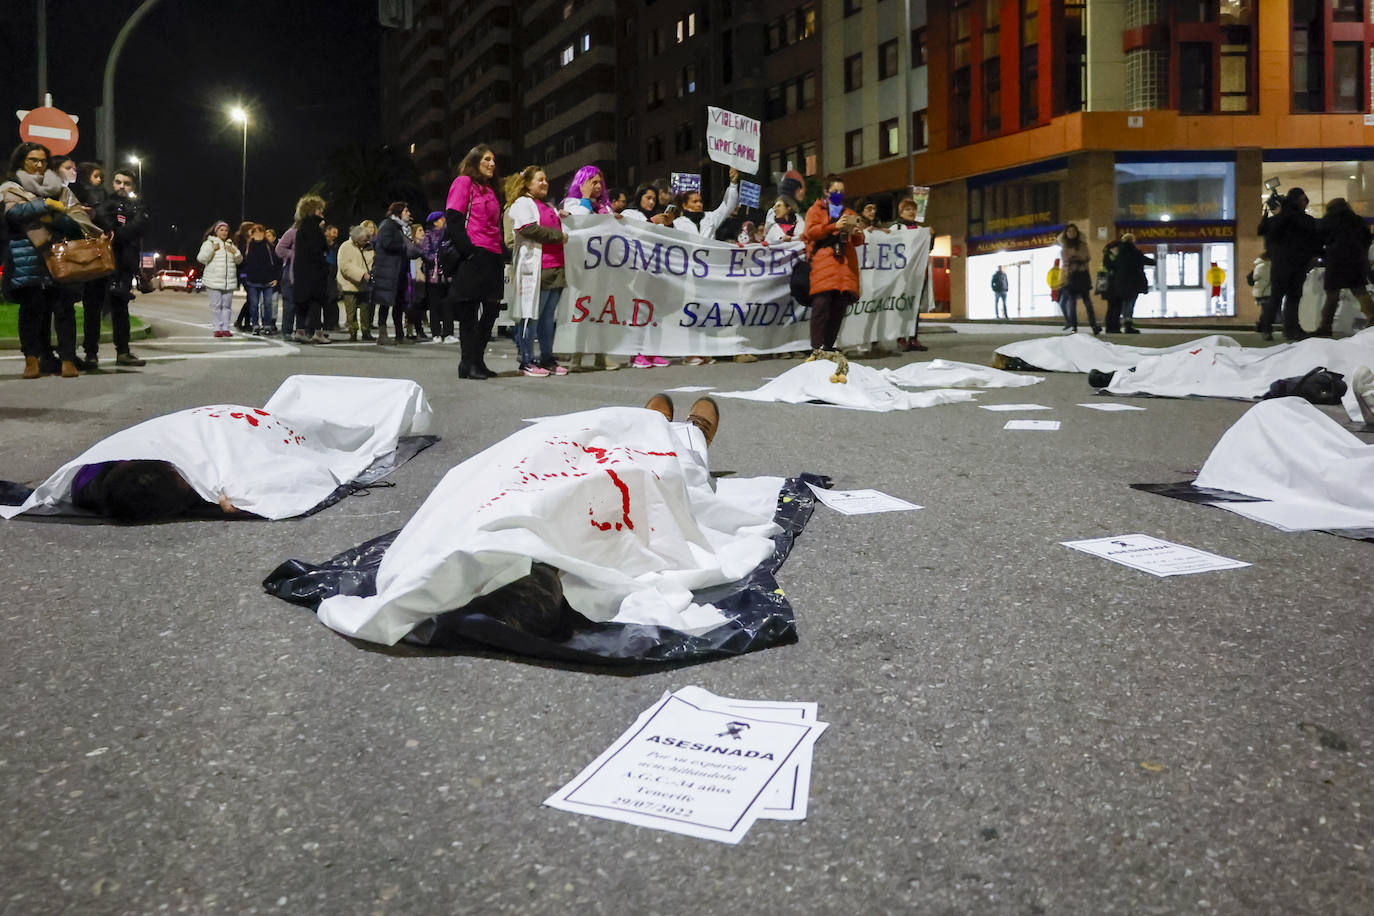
52,127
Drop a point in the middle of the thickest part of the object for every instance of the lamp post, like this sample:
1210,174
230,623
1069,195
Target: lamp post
239,115
137,163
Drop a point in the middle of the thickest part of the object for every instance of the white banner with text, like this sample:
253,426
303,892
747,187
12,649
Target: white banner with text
641,288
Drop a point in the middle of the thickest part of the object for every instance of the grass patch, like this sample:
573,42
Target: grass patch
9,321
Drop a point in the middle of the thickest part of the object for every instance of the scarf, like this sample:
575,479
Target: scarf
50,185
695,216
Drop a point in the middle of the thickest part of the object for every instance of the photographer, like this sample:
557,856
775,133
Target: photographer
832,236
1292,241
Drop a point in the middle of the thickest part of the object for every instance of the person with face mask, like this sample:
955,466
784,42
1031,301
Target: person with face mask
123,213
832,239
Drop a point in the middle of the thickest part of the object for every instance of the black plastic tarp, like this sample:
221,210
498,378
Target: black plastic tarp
1185,491
530,618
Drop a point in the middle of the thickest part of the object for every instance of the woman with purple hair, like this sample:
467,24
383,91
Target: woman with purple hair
587,192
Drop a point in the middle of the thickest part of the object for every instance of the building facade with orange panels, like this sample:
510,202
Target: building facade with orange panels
1163,118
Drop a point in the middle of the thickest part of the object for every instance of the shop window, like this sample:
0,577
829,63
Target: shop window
1171,191
889,138
853,147
887,59
1352,179
853,72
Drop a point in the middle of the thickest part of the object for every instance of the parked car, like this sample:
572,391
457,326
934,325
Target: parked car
171,279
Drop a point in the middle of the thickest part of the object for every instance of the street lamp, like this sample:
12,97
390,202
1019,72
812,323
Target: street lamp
240,116
138,164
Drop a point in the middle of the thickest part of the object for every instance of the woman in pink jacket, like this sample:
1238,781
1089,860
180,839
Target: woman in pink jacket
473,223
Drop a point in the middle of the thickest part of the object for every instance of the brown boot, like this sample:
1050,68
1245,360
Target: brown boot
69,369
705,416
31,369
661,403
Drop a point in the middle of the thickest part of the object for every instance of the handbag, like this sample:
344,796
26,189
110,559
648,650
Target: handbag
800,282
1320,386
1104,283
459,249
80,260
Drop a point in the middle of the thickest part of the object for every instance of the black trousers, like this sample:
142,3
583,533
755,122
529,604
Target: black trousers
1284,295
440,309
475,322
39,305
827,314
111,294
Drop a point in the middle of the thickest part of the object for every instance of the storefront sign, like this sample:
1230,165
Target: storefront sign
1180,232
1018,242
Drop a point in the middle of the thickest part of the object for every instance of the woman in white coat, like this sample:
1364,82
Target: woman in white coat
537,269
691,217
221,258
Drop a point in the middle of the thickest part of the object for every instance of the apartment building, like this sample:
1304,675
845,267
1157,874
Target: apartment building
1159,117
760,59
448,83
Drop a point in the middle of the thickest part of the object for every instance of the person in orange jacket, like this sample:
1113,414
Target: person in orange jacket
832,236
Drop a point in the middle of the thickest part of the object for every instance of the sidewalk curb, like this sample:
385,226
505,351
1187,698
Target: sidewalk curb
143,333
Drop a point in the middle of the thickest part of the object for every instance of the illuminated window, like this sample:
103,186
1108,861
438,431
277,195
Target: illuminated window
565,56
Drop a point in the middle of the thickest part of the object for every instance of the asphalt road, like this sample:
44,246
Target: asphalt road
1015,727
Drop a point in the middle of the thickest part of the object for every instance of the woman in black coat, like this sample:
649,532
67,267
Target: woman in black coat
310,268
394,248
1129,280
1345,252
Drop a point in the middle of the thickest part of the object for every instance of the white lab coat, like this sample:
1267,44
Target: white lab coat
711,222
526,260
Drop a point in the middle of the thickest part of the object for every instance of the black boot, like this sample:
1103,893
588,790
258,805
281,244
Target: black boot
485,323
467,339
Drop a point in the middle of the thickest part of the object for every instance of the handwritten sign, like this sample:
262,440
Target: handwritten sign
732,139
685,181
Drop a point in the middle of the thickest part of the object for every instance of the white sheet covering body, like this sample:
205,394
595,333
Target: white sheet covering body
866,389
277,461
1316,474
1245,372
945,373
1083,353
618,499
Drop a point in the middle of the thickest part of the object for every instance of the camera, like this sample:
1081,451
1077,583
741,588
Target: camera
1274,201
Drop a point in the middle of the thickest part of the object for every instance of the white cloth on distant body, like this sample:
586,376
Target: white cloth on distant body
617,499
944,373
1315,474
866,389
277,461
1083,353
1245,372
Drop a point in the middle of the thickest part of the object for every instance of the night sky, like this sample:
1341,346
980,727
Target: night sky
306,70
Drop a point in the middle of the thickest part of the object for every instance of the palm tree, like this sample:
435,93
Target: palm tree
361,180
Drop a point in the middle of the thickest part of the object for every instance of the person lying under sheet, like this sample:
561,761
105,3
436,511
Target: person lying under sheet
287,458
612,509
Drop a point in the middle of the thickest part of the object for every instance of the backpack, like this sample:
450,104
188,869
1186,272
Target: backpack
1320,386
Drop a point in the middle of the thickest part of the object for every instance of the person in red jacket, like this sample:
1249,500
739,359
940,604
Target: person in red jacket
832,236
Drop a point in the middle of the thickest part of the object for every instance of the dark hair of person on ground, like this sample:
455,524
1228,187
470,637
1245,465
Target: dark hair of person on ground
397,207
144,491
22,151
470,166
